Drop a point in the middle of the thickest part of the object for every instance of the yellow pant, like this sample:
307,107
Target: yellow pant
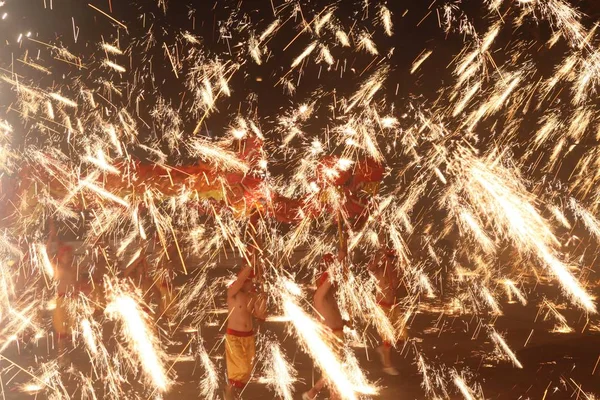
338,333
394,315
97,298
239,355
61,319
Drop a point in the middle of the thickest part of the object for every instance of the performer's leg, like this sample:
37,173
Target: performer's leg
385,349
314,391
230,392
385,354
239,356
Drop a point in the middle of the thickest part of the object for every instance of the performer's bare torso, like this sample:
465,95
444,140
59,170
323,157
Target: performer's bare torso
141,277
240,308
65,276
387,285
328,308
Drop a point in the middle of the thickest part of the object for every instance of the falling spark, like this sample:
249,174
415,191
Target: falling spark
326,55
342,38
209,384
491,301
386,18
513,213
369,88
499,340
321,22
270,29
560,217
63,100
366,43
45,260
101,162
562,326
312,337
221,157
469,221
590,222
88,335
114,66
514,290
255,51
419,61
304,54
485,45
281,375
104,193
50,110
466,99
140,338
109,48
427,384
462,387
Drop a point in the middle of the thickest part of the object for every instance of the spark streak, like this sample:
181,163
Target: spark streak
140,338
63,100
281,375
499,340
115,66
304,54
514,214
462,387
419,61
312,337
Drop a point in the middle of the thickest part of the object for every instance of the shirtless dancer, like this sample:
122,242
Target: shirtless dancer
383,269
164,280
327,307
66,279
99,270
139,272
243,303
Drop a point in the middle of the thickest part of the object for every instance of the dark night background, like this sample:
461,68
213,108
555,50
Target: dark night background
206,18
